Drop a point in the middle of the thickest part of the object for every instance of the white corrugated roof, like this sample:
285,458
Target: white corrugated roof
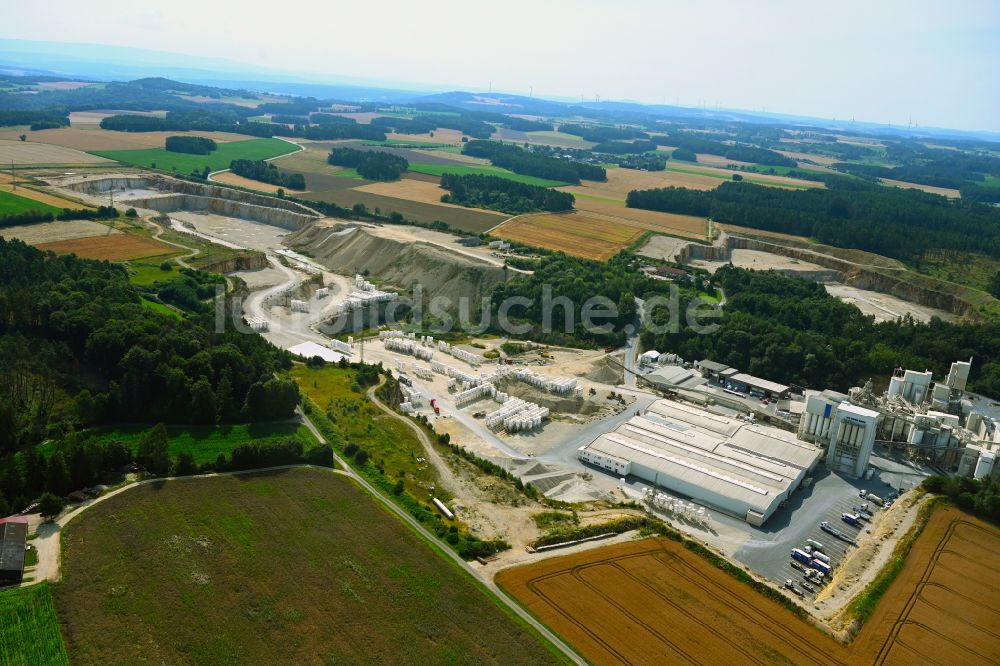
751,464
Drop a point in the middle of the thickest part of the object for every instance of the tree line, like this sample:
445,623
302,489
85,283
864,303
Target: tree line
503,194
739,152
193,145
370,164
35,216
602,134
894,222
34,117
266,172
792,331
526,162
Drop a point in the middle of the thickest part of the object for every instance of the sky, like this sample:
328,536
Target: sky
933,63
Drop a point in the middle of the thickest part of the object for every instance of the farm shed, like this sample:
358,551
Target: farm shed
740,469
13,536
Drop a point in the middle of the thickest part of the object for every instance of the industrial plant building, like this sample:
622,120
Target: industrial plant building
13,536
935,423
727,464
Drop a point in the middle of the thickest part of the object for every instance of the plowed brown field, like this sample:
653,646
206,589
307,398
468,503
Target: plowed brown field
592,234
116,247
653,601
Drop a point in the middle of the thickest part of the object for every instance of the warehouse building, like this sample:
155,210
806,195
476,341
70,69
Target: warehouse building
13,536
739,468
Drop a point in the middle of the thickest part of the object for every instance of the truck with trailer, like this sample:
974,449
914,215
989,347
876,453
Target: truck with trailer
820,556
830,529
436,406
822,567
801,556
872,497
816,545
791,586
851,519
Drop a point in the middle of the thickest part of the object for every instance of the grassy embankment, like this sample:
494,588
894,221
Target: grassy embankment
164,160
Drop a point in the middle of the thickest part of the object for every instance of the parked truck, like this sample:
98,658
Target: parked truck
801,555
816,545
436,406
791,586
830,529
820,556
822,567
851,519
872,497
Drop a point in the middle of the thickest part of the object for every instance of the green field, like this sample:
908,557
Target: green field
251,149
12,204
387,440
204,443
160,307
29,630
466,170
293,567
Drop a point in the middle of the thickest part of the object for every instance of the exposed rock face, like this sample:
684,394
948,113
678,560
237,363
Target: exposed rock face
165,194
346,249
250,262
228,208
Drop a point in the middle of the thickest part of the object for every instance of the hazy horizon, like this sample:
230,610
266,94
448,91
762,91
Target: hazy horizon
925,62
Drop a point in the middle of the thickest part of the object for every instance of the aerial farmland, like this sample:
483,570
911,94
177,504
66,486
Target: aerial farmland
567,362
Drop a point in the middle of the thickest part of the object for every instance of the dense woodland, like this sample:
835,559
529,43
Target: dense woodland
739,152
599,134
370,164
894,222
55,117
194,145
792,331
939,167
266,172
77,348
528,163
503,194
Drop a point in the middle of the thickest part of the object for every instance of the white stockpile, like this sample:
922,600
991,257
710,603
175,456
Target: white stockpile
516,414
406,346
258,324
475,360
560,385
299,306
475,393
340,346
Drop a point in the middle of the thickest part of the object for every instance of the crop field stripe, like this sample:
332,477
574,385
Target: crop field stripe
533,585
788,635
903,618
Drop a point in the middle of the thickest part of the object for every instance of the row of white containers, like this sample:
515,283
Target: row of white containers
516,414
558,385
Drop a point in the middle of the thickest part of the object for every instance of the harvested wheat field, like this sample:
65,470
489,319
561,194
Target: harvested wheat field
36,195
719,160
51,232
592,234
26,153
230,178
654,601
92,119
689,226
622,181
573,233
413,189
114,247
949,192
441,135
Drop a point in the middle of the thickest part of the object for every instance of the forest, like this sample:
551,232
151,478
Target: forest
194,145
31,217
895,222
792,331
738,152
370,164
503,194
938,167
54,117
77,349
600,134
528,163
266,172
